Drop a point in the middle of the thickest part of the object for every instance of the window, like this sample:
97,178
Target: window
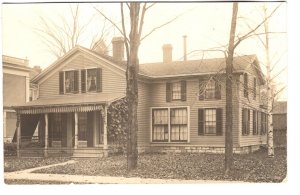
179,129
68,82
246,85
176,91
160,125
170,125
82,125
210,121
254,88
264,123
255,122
245,121
91,80
209,89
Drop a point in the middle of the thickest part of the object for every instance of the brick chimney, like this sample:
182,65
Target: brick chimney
118,48
37,69
167,53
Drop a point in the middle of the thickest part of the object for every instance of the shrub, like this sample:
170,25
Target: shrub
10,149
117,125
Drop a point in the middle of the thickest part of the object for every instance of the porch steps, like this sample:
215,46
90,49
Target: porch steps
88,153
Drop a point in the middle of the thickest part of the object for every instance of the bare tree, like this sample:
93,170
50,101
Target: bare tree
229,76
62,36
137,12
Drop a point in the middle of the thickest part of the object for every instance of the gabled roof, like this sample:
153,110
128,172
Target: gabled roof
172,69
197,67
73,51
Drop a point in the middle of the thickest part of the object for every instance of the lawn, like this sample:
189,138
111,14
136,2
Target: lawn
13,163
255,167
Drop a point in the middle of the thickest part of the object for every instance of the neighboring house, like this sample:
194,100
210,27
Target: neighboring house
15,91
181,105
279,114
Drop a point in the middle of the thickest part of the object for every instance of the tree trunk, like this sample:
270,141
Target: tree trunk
229,77
269,92
132,87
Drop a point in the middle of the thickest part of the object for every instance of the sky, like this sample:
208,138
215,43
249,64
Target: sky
206,26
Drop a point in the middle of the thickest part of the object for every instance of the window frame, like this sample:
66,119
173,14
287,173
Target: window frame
179,92
86,79
169,125
73,91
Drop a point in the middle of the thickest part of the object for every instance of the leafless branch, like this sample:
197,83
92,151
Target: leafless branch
164,24
257,27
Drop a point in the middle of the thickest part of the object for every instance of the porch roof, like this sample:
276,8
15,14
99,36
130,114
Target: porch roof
75,103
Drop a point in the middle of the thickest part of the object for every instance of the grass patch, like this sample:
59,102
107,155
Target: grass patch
16,164
30,182
255,167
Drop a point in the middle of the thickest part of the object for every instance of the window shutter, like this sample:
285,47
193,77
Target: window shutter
168,92
219,121
99,80
245,85
200,121
243,122
76,81
83,81
262,123
61,82
248,122
217,90
254,123
254,88
183,90
258,122
201,88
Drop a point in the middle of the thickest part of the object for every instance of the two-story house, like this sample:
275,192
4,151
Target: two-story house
181,104
16,76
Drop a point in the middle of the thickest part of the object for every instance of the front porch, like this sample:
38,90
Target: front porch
74,131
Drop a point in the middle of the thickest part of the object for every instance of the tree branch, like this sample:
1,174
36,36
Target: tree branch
253,30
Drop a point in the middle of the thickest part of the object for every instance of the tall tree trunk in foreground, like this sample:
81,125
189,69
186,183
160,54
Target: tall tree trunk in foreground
229,77
132,86
269,91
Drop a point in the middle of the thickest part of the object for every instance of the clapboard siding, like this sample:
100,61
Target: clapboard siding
143,114
252,104
158,99
112,82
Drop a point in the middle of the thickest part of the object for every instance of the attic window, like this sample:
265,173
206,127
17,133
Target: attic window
68,82
91,80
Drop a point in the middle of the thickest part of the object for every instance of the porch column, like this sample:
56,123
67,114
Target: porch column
46,136
105,147
4,126
76,130
18,125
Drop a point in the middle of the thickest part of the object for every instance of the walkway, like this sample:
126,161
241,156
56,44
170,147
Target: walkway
83,179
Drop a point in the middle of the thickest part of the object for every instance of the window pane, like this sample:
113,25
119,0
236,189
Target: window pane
69,81
179,124
160,125
210,90
210,121
91,79
176,91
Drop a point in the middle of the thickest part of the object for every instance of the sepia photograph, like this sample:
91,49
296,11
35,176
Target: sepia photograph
144,92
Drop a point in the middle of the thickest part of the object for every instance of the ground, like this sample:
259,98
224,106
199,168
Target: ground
255,167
